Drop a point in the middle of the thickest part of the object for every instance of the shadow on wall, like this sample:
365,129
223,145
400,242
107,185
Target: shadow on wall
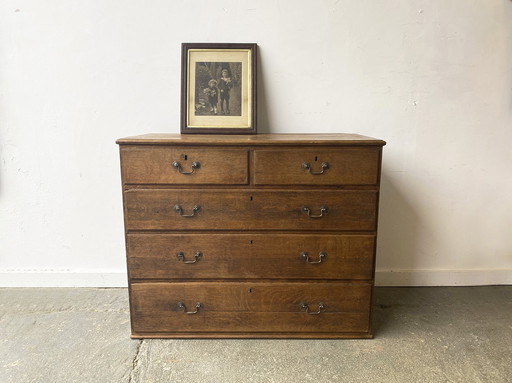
263,119
398,231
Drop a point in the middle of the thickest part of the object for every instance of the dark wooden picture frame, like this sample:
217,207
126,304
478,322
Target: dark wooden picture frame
218,88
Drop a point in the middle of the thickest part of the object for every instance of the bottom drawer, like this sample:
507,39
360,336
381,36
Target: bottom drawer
246,309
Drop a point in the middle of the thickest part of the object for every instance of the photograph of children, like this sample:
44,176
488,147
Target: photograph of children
218,89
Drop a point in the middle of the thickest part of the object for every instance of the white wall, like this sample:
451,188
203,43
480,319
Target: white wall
432,78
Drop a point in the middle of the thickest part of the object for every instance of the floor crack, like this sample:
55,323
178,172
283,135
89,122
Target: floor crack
135,361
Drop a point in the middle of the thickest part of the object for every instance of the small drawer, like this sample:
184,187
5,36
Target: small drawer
250,256
317,166
235,307
219,209
183,165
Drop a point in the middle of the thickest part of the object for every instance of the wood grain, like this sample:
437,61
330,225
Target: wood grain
153,165
347,166
251,229
153,209
252,256
245,306
211,140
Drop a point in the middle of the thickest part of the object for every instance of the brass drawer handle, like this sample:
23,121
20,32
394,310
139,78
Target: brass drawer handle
305,307
177,166
195,209
181,257
307,211
321,257
307,166
181,306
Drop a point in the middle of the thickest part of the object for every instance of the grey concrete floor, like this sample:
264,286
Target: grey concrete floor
460,334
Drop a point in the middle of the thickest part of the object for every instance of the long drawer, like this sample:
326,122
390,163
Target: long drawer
235,256
231,307
211,209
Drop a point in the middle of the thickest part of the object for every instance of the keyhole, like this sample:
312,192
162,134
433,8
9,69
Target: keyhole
250,290
184,156
251,198
250,241
316,158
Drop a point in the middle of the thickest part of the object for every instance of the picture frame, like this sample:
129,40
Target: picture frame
218,88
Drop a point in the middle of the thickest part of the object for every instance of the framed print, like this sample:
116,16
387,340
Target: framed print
218,88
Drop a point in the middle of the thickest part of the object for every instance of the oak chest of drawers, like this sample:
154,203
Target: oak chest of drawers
259,236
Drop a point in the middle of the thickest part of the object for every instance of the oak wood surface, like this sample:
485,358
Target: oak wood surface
339,139
345,166
251,306
255,256
219,322
153,209
202,334
153,165
251,229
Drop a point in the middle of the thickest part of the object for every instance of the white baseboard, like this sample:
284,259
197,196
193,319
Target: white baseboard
51,278
443,277
38,278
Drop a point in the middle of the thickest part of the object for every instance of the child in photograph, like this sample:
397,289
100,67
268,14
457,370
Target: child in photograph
212,93
225,85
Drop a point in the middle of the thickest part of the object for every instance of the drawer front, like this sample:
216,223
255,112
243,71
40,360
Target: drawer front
230,256
250,307
158,209
317,166
182,165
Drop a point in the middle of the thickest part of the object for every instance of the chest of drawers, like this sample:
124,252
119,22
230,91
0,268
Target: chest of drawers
263,236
